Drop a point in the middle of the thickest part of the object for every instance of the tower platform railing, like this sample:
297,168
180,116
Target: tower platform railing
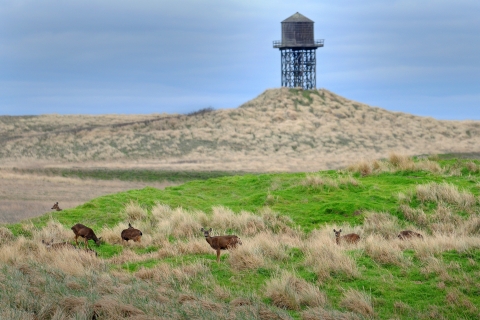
307,44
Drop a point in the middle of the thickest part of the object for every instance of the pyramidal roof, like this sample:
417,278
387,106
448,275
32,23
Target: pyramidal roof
297,17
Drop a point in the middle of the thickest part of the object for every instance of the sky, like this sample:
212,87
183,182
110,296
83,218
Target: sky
164,56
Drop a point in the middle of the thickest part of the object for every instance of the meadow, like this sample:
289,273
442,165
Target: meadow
288,267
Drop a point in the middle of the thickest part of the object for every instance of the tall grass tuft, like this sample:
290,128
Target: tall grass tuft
358,302
290,292
445,192
135,212
324,257
381,223
383,251
247,256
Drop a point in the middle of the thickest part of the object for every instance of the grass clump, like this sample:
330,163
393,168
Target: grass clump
290,292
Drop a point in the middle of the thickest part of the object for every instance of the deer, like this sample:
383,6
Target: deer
86,233
58,245
221,242
408,234
349,238
56,207
65,245
131,234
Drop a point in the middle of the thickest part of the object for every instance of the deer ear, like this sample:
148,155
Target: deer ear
340,230
334,230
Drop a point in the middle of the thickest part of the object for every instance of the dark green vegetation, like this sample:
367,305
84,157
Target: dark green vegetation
129,175
412,289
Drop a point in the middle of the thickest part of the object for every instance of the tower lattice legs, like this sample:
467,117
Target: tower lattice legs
299,68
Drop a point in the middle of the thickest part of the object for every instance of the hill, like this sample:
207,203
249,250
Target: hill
280,130
289,265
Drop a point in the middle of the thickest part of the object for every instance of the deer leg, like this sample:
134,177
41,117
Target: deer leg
76,240
218,255
86,243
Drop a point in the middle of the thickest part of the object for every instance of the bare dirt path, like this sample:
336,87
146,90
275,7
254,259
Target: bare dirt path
24,196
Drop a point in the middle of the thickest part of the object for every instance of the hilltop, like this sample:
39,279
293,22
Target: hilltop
280,130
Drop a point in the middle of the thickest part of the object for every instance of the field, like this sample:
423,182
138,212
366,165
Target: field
288,267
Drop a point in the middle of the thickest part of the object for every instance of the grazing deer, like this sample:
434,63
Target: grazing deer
86,233
221,242
58,245
407,234
349,238
56,207
131,234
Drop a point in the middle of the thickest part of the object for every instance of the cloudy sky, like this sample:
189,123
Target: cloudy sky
146,56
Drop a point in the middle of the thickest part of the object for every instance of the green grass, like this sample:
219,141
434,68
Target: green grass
130,174
310,208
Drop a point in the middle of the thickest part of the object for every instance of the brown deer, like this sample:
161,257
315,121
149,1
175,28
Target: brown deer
58,245
221,242
407,234
65,245
56,207
349,238
131,234
86,233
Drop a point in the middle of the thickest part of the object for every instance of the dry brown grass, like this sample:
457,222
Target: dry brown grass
317,181
273,132
358,302
325,257
384,252
382,224
288,291
395,162
445,192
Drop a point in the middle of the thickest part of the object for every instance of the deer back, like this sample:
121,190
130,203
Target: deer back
407,234
351,238
85,232
223,242
131,234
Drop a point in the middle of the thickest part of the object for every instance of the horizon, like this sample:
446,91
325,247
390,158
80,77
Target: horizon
148,57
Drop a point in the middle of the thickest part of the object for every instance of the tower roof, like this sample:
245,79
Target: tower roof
297,17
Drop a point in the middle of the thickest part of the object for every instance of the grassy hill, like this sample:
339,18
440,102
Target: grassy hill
286,130
289,265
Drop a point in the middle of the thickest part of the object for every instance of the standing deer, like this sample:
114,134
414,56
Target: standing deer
56,207
86,233
131,234
349,238
221,242
407,234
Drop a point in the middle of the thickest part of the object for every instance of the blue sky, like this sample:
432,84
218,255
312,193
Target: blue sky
141,57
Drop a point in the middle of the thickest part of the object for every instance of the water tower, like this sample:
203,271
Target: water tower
297,49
